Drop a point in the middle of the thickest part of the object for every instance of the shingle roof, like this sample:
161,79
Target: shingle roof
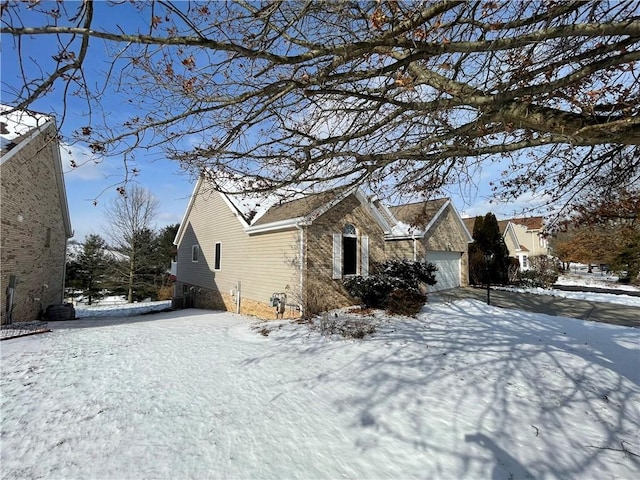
419,213
534,223
296,208
502,225
530,222
469,222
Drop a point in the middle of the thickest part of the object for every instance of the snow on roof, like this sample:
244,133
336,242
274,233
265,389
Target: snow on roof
253,206
404,229
16,124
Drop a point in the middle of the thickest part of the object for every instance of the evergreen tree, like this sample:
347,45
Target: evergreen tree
87,269
488,241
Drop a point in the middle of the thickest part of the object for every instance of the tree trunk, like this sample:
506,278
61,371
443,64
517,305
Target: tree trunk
131,275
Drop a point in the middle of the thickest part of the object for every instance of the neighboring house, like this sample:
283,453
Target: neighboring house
525,237
238,254
35,216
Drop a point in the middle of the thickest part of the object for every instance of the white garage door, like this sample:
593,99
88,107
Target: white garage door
448,274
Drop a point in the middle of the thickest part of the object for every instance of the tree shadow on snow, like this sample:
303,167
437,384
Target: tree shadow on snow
561,393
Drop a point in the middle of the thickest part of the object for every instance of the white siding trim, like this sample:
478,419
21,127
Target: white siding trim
364,256
337,256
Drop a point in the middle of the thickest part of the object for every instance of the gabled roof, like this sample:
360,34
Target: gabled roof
295,208
269,214
415,220
469,222
532,223
502,225
303,211
17,129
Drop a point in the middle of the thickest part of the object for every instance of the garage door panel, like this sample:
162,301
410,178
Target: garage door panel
448,274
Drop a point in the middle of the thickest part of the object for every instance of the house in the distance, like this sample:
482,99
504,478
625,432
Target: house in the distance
35,216
244,254
525,237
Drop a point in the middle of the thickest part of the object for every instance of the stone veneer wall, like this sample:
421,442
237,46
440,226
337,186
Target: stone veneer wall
210,299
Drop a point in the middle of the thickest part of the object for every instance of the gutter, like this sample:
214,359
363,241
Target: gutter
280,225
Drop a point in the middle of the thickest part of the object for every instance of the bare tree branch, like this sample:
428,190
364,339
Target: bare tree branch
407,97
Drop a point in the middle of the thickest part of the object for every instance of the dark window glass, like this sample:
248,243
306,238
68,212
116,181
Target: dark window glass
218,253
349,255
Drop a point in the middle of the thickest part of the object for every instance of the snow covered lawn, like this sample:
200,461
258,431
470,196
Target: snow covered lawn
464,391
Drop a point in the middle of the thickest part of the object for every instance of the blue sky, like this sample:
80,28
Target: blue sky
162,177
90,180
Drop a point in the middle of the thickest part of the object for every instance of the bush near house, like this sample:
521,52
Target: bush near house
543,272
397,285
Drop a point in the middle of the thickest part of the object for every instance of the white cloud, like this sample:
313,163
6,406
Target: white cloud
87,168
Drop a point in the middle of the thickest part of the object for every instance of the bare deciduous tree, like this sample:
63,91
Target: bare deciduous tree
129,218
405,96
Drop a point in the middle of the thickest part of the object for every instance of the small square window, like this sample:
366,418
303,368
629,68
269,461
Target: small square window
195,253
216,265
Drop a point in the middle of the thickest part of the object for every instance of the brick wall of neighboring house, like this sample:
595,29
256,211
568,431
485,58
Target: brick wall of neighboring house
32,237
319,282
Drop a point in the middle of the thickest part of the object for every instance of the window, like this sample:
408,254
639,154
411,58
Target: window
216,265
543,241
195,253
47,240
346,260
349,250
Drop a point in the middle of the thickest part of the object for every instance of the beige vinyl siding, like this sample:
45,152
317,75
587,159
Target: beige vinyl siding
511,241
263,263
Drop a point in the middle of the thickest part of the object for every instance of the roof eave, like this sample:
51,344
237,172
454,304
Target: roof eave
287,224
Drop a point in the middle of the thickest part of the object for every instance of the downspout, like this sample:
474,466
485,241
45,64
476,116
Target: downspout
301,254
415,247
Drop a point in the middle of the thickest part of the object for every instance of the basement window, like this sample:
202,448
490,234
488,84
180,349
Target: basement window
216,265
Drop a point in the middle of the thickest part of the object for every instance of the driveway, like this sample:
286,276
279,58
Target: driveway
616,314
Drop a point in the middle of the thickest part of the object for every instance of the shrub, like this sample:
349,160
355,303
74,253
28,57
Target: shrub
404,302
347,327
373,291
390,276
165,292
543,272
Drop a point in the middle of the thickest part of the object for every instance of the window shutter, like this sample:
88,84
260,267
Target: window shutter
337,255
364,256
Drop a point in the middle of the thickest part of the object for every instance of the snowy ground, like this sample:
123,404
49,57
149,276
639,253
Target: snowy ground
620,299
579,277
464,391
110,309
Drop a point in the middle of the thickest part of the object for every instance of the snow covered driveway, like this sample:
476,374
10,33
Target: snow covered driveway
465,391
